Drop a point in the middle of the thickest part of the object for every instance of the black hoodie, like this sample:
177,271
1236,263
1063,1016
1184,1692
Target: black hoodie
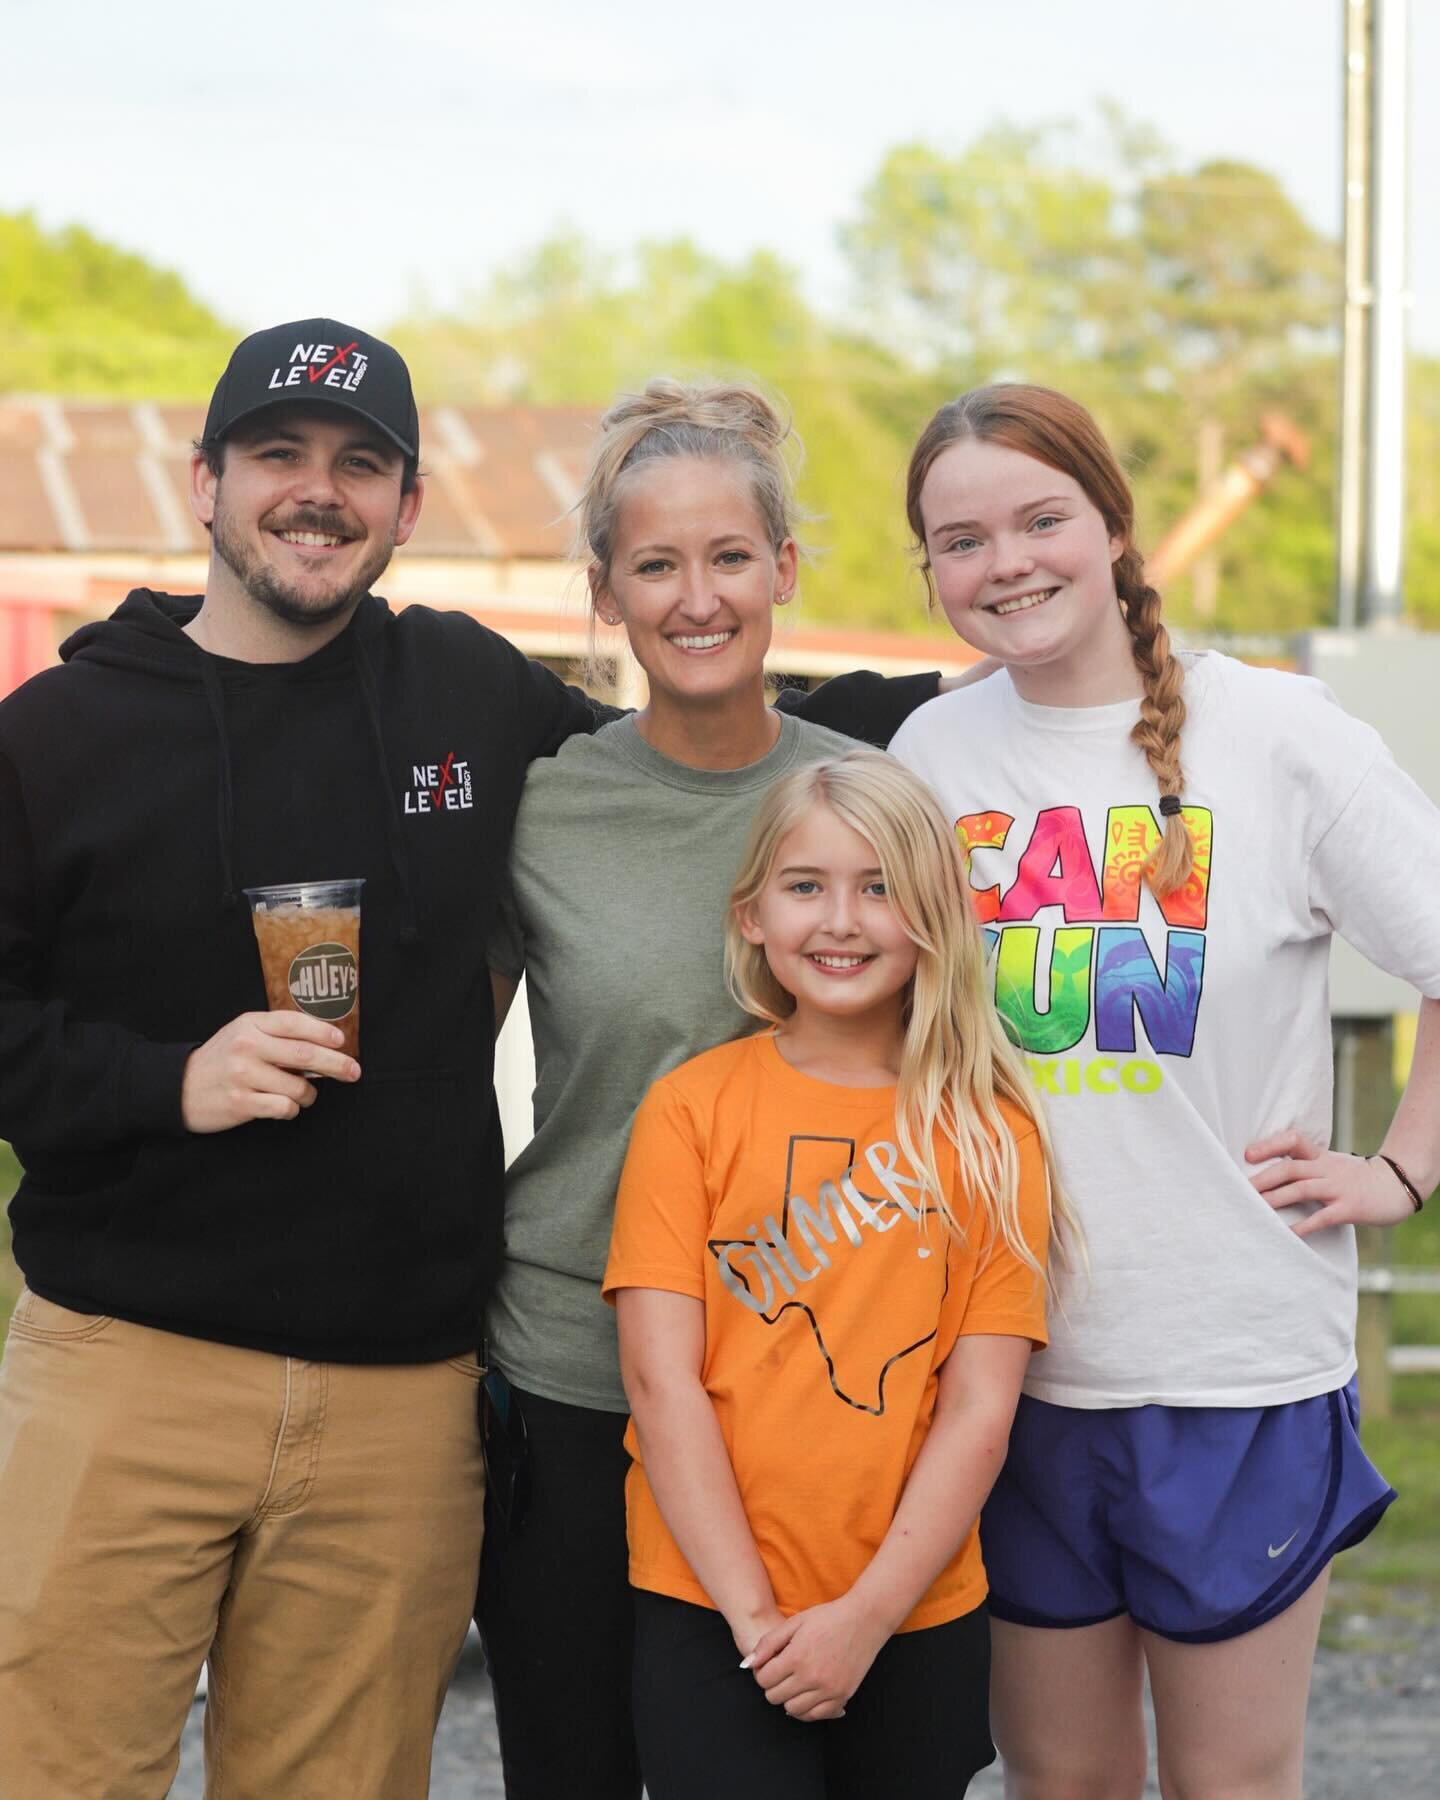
142,786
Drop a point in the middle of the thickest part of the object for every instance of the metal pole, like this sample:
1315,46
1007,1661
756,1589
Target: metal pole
1364,1101
1381,597
1355,352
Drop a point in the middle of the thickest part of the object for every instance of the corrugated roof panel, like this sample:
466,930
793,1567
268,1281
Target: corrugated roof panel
103,429
26,519
525,512
20,426
502,478
114,501
177,475
442,530
183,424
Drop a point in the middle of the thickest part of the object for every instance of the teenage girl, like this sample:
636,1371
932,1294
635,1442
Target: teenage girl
828,1265
1159,848
625,847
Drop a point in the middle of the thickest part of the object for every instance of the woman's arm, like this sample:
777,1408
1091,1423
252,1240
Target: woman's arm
1354,1190
662,1348
813,1662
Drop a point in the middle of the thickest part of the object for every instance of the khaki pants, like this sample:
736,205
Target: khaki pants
313,1528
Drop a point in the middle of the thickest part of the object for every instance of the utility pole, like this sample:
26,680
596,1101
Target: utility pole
1371,489
1371,520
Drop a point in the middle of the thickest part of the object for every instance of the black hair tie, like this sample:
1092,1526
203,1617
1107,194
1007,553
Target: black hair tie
1170,805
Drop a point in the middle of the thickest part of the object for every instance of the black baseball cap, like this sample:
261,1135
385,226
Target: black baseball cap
318,359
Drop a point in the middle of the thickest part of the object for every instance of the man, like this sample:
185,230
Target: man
238,1404
238,1401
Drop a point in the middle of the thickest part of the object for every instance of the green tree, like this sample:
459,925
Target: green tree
570,325
1236,282
1160,296
993,258
79,316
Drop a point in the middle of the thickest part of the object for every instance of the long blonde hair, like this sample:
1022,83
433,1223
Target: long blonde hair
956,1063
1057,431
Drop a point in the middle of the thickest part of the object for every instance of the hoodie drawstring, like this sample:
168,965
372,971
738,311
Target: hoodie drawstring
224,792
394,836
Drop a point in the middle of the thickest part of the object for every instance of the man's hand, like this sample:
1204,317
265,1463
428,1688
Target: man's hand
813,1662
1348,1190
252,1069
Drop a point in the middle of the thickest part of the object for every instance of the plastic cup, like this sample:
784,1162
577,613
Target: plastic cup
309,938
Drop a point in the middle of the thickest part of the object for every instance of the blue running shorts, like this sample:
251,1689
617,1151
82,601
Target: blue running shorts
1200,1522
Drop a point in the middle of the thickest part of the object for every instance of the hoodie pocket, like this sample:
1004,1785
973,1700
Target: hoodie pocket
356,1224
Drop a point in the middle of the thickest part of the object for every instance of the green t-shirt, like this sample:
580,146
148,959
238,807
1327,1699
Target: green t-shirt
621,867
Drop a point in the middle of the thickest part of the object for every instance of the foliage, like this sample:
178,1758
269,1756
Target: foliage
1405,1551
995,255
1422,549
570,326
78,316
1084,255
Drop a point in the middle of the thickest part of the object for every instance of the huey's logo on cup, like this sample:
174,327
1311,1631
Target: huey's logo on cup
439,787
308,933
340,366
324,981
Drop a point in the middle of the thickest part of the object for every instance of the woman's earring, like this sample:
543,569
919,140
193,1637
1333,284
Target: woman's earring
785,598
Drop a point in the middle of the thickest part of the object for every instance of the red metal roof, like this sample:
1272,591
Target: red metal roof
106,475
94,498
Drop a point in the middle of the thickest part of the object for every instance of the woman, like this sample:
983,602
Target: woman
625,848
1160,847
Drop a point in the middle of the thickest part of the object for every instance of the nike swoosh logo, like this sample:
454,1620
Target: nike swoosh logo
1273,1550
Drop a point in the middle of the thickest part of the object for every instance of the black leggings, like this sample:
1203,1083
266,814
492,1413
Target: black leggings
917,1727
556,1614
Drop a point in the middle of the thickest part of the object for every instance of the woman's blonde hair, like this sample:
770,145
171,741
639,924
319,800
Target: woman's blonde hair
707,421
956,1063
1057,431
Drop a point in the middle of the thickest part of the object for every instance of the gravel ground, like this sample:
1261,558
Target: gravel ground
1374,1729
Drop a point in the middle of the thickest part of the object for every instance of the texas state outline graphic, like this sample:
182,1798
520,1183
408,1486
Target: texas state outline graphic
862,1390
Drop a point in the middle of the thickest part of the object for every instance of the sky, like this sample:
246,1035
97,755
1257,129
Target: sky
292,160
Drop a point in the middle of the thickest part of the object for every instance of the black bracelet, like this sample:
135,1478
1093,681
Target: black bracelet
1404,1180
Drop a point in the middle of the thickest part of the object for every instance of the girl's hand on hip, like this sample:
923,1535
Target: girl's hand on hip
1346,1190
813,1662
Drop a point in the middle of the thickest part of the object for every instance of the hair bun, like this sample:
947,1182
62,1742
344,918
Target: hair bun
668,418
711,406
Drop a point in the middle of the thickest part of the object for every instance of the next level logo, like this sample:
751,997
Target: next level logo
340,366
439,787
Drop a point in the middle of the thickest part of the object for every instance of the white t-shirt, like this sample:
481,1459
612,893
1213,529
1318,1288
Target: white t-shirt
1167,1041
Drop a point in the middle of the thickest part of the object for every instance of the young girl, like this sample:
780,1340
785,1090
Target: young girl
1159,848
828,1264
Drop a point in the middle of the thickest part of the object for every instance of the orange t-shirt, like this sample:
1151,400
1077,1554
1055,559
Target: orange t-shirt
784,1204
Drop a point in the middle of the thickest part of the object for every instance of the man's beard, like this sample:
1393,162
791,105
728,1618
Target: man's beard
296,605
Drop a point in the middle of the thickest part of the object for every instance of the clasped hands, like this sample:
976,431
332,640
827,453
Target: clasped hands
812,1662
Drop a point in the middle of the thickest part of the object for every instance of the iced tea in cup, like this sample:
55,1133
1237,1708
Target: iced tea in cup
309,938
